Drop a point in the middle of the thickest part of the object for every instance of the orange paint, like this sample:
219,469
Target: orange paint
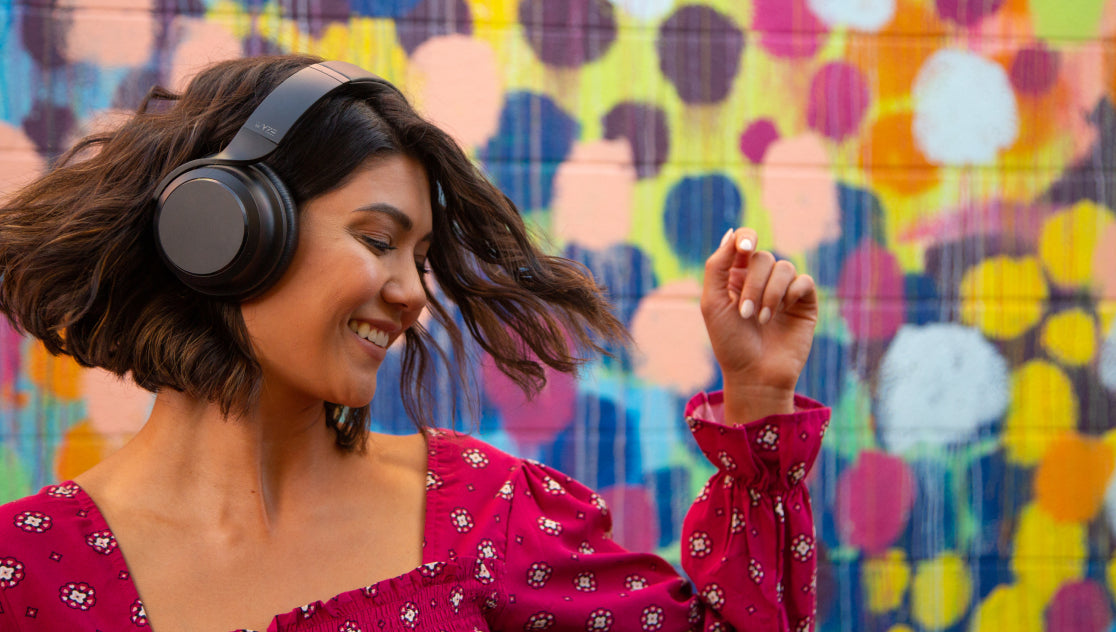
889,154
1071,479
58,375
82,448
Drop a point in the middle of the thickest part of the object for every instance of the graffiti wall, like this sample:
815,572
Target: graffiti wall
941,167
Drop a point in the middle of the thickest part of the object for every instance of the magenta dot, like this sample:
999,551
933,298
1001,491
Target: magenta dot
633,512
1035,69
1079,607
757,138
871,291
531,423
873,501
838,100
967,12
788,28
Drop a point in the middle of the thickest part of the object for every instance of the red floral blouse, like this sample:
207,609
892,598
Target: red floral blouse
510,544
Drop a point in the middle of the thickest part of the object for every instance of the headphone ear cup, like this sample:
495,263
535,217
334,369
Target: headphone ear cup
226,231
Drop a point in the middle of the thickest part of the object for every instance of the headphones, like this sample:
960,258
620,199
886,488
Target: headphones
226,224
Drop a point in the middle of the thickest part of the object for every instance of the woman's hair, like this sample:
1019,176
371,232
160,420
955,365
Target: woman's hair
80,270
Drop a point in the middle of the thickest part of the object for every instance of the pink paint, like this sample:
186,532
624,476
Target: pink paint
10,345
967,12
1079,607
757,138
838,100
788,28
992,218
120,33
114,406
801,202
871,292
20,162
535,422
633,516
1034,70
593,191
669,332
199,43
1104,262
873,501
457,85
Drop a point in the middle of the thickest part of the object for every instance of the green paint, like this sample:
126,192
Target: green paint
14,481
1066,18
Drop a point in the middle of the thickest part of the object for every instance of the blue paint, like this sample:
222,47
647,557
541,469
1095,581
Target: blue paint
923,300
382,8
697,212
534,136
669,487
607,440
823,377
861,218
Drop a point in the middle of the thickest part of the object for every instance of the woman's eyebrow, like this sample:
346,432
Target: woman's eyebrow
396,215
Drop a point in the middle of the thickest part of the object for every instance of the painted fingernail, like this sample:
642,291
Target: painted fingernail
725,239
745,244
747,308
765,315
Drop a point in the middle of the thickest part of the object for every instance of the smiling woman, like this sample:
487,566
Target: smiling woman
249,250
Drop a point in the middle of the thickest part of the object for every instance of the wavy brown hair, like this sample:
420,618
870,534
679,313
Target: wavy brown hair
80,270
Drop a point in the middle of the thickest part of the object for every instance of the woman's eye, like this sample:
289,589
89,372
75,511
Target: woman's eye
377,245
422,267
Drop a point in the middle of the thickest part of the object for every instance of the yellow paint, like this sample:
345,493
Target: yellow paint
1007,608
1068,240
1043,405
885,579
1047,554
899,627
57,375
941,592
82,448
1002,296
1071,480
1070,337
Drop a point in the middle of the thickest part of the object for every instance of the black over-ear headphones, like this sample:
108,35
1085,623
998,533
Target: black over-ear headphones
226,224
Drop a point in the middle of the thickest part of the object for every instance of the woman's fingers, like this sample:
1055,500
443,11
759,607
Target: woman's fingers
723,268
760,266
780,280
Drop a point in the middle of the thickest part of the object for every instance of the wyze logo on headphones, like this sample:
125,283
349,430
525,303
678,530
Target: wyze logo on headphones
266,129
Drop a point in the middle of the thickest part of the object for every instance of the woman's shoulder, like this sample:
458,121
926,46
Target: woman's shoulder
56,513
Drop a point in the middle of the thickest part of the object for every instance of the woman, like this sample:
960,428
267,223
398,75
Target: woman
255,497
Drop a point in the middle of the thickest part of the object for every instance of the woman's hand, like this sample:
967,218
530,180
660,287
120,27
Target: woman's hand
760,315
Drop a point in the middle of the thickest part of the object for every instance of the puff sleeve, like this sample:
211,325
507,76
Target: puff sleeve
747,541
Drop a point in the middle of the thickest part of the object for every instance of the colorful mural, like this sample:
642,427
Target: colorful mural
942,167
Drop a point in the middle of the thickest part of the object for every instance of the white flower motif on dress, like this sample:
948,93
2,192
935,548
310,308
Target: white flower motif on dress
548,526
138,614
755,570
506,491
102,542
308,610
701,545
33,521
483,575
779,509
599,503
652,618
728,482
779,591
796,473
585,581
78,595
432,569
409,614
726,460
539,621
600,619
11,572
585,548
486,549
65,490
805,624
715,627
695,612
714,595
349,626
755,496
457,595
539,574
693,423
768,438
370,591
433,481
553,487
803,547
462,520
475,457
635,582
703,495
737,525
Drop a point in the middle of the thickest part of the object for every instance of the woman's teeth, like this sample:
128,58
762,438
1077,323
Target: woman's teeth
369,333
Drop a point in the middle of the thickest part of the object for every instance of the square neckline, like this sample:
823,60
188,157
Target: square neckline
432,437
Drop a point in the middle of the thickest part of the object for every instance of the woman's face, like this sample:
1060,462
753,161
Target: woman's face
353,287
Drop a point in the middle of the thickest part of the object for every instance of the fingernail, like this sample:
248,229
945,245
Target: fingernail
725,239
765,315
747,308
745,244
